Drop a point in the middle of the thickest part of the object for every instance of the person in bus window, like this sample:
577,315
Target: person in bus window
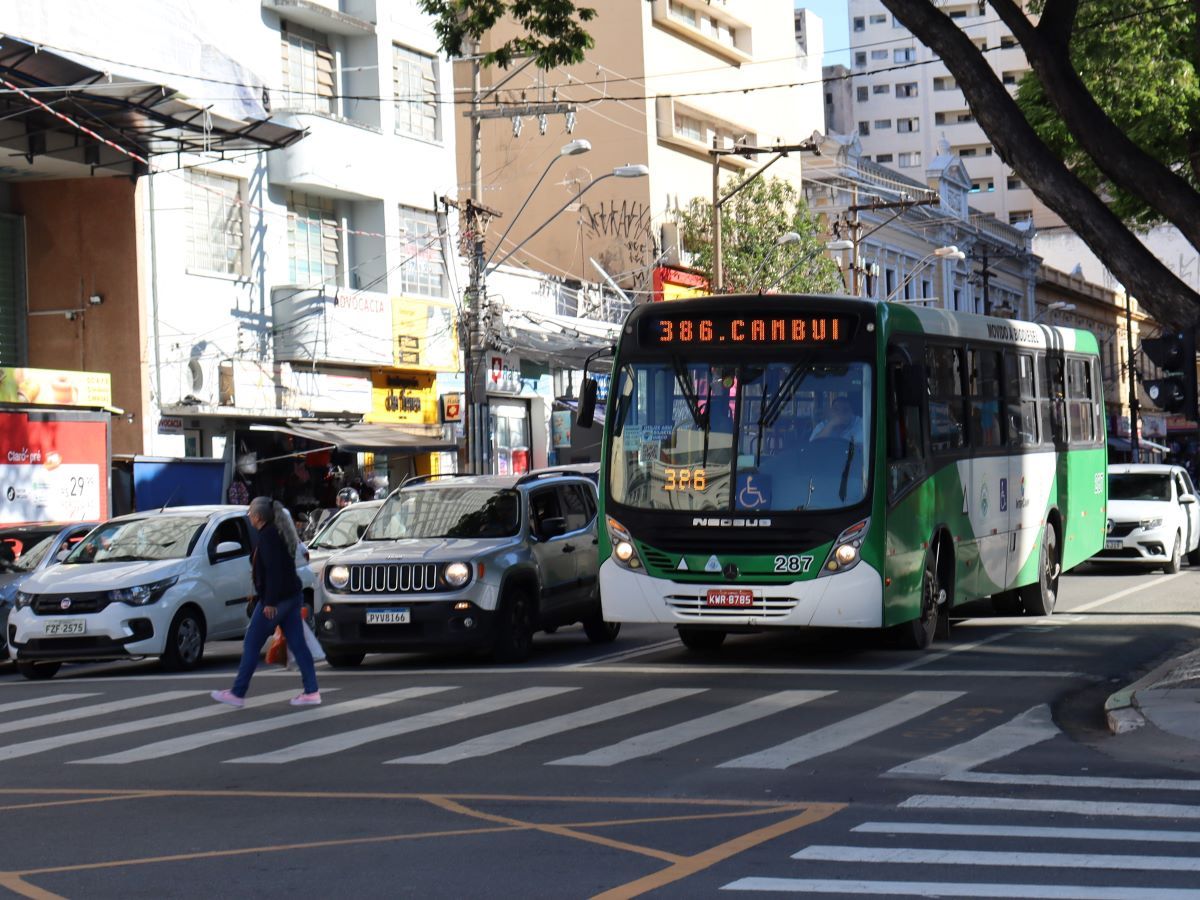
841,424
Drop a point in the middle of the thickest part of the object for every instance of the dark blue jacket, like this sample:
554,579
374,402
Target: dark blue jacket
275,578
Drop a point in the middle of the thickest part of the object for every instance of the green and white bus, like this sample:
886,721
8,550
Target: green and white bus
780,461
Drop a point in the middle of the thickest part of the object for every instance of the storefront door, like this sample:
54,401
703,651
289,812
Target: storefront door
511,440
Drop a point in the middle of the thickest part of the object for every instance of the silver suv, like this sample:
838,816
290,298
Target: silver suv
475,561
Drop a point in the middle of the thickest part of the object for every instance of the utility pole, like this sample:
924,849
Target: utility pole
1131,371
855,226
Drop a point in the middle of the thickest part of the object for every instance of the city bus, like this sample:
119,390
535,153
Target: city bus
802,461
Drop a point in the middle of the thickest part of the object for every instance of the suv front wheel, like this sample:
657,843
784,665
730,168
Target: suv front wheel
514,627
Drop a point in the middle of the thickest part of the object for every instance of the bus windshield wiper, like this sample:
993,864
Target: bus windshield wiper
846,470
690,397
770,409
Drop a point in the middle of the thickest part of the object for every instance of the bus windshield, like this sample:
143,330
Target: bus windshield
772,436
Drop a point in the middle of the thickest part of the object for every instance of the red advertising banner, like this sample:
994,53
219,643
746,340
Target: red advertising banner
53,468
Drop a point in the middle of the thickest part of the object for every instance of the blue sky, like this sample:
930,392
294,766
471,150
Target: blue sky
837,28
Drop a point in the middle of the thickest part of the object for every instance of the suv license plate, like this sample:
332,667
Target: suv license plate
64,627
726,598
388,617
1113,544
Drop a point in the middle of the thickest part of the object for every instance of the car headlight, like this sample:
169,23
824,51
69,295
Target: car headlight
143,594
624,551
1149,524
21,599
338,577
457,574
845,551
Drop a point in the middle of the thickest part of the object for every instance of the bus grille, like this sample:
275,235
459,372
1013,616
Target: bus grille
393,578
695,606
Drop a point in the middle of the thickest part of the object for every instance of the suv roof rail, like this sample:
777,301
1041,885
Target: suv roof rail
421,479
547,473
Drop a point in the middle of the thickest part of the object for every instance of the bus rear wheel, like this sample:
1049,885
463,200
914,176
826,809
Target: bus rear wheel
1040,597
702,640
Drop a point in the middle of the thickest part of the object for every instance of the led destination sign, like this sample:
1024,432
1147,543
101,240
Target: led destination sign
739,329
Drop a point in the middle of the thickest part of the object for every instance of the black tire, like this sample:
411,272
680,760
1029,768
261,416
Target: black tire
918,633
1040,597
513,638
1176,562
343,659
1008,603
600,632
701,640
39,671
185,641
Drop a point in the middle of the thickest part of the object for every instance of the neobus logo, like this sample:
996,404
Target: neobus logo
730,523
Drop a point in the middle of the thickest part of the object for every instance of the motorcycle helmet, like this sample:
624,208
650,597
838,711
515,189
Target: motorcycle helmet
346,496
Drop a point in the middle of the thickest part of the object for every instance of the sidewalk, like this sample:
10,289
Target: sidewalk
1168,698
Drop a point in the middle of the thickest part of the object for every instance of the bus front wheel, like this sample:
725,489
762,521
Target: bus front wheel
702,640
917,634
1040,597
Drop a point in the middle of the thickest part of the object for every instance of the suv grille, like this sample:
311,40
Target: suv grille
393,578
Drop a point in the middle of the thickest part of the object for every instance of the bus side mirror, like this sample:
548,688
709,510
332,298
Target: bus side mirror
587,403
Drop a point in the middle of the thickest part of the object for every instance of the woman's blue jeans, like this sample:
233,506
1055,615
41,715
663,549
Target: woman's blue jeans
287,617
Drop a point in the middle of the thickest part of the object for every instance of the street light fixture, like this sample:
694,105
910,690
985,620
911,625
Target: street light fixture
948,252
1056,306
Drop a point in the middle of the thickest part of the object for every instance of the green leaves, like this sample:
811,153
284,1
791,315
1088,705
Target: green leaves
551,31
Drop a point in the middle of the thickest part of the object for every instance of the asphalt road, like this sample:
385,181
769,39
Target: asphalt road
828,765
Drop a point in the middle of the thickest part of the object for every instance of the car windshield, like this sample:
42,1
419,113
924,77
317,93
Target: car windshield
33,555
1139,486
773,436
126,540
345,529
447,512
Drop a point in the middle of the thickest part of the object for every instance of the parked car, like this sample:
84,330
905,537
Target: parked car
158,583
467,561
33,557
1153,517
342,531
16,539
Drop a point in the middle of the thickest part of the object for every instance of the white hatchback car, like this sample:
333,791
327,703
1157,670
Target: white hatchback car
1153,517
157,583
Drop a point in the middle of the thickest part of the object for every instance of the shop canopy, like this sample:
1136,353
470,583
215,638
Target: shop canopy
1122,444
363,437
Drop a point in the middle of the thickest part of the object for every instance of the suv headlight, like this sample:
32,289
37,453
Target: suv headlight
143,594
1150,524
623,549
22,599
457,574
844,554
338,577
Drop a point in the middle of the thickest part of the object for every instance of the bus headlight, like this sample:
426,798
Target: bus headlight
624,552
845,551
457,574
339,577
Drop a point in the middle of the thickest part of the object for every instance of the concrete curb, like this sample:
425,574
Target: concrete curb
1121,709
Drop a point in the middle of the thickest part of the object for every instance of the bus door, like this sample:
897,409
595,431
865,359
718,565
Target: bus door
1028,468
988,494
909,492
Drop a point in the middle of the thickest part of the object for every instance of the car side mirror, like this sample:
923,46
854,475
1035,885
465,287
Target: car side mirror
553,527
227,548
587,403
1187,498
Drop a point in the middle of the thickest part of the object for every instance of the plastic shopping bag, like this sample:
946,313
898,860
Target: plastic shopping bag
277,649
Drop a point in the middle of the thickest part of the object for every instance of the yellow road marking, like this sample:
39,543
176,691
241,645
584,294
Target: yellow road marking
12,881
108,799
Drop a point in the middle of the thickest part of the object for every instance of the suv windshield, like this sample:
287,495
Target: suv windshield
126,540
447,512
1139,486
772,436
345,529
33,555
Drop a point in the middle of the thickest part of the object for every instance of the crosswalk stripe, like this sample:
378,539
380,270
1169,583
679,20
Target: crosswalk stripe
674,735
29,748
523,734
347,739
1078,781
1070,807
183,744
844,733
832,886
42,701
1125,835
1006,859
98,709
1031,727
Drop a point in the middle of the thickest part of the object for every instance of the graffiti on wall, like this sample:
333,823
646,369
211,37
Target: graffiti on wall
620,236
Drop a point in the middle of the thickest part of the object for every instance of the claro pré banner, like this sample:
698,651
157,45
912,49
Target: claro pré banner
53,468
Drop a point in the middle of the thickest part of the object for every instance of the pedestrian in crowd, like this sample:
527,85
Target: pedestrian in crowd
277,587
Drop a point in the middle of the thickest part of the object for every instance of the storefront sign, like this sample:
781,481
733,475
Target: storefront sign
321,392
451,407
503,373
170,425
424,334
677,284
343,327
53,470
55,387
403,397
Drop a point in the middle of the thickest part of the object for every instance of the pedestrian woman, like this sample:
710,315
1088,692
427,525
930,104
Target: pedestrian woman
277,587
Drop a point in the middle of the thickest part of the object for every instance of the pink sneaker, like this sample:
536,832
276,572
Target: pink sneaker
313,699
229,698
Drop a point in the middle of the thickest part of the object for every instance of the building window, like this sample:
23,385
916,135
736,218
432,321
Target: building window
864,128
878,18
314,240
1014,183
904,54
908,126
879,54
1019,215
860,59
1007,42
980,44
415,87
308,81
985,185
945,83
884,158
216,238
860,23
909,160
906,89
883,124
684,14
422,268
881,89
967,151
860,93
689,127
715,28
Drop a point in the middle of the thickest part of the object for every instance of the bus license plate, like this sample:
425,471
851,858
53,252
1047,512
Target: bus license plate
730,598
388,617
1113,544
65,627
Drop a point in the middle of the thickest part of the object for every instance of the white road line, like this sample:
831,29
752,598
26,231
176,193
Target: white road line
1031,727
1079,781
674,735
844,733
999,858
98,709
29,748
1136,589
1069,807
347,739
927,658
626,654
43,701
1125,835
487,744
183,744
833,886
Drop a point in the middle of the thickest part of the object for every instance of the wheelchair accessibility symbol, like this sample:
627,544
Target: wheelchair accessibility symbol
753,491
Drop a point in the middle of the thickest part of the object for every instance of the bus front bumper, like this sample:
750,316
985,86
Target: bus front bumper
851,599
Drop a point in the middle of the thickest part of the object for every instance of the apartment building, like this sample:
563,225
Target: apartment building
905,101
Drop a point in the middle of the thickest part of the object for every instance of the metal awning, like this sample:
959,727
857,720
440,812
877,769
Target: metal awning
1122,444
139,117
363,437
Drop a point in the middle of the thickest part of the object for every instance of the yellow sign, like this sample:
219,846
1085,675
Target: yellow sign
424,335
402,396
54,387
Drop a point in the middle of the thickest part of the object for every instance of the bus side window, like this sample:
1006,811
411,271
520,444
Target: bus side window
1021,393
987,430
947,416
1051,399
1079,400
905,443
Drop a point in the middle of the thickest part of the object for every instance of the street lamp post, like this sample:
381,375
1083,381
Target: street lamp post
1056,306
807,257
947,252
